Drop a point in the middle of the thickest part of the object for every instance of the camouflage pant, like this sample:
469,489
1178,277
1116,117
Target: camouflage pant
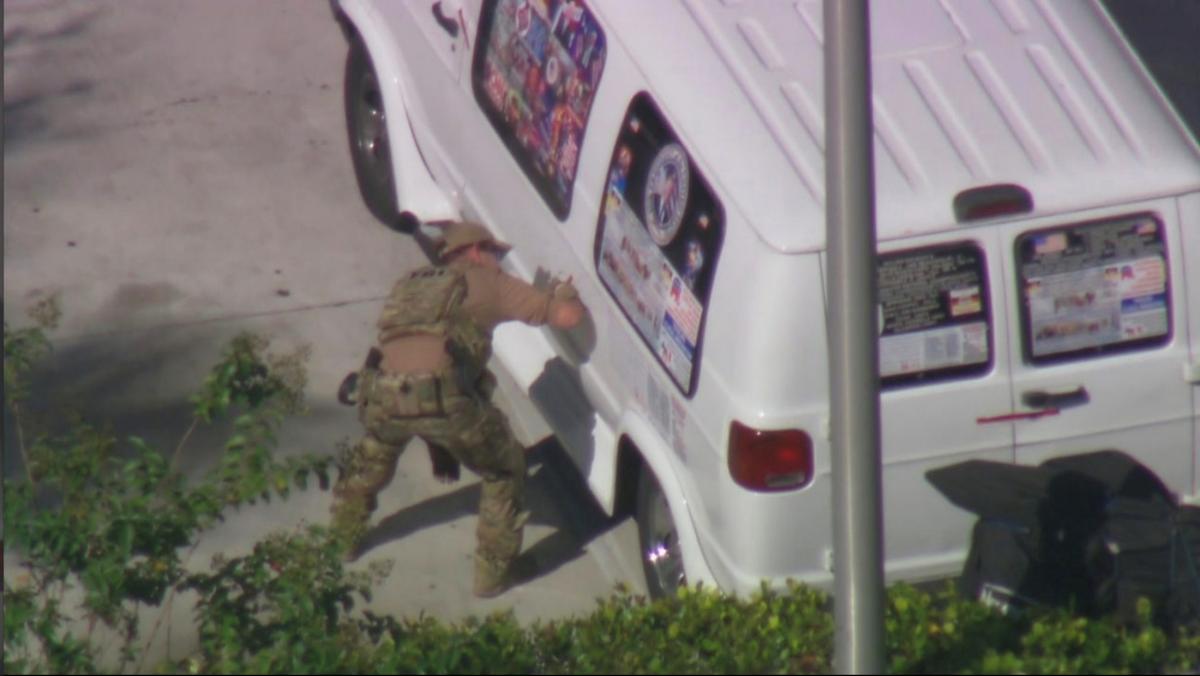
474,431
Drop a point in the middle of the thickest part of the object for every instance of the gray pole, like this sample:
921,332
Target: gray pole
853,338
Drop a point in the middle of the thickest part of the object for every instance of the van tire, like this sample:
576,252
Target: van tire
658,539
366,129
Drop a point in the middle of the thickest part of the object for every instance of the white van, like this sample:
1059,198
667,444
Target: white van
1038,203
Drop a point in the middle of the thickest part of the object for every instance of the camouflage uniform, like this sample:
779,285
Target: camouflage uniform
448,407
471,430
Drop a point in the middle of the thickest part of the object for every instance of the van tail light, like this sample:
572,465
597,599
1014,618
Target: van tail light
769,460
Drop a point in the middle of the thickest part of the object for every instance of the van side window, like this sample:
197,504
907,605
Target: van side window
1093,288
658,240
936,314
535,74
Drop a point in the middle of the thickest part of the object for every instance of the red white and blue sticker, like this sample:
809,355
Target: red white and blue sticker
666,193
536,75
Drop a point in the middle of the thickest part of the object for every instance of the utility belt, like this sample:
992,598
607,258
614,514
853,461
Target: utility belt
412,395
407,395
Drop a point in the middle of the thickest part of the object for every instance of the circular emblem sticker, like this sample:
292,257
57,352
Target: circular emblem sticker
666,193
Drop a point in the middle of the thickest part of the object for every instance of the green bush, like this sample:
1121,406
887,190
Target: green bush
698,631
118,522
282,608
114,521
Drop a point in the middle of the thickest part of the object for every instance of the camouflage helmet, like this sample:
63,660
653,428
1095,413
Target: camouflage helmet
461,234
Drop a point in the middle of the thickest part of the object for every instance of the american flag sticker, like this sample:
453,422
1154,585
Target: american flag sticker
1047,244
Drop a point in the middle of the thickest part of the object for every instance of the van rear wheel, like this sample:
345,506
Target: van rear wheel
658,539
366,127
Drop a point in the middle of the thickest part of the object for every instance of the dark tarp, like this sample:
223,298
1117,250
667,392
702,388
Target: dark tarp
1091,531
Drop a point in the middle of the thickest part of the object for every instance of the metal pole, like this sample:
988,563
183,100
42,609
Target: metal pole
853,337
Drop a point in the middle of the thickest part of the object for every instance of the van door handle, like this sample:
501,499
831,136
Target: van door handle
448,24
1076,396
1010,417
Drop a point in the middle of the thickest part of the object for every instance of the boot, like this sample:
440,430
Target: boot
493,579
498,549
349,526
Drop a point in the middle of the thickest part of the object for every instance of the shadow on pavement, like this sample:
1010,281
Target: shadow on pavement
435,511
140,385
25,111
556,496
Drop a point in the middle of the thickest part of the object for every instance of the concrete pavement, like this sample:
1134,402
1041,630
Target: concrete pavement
178,172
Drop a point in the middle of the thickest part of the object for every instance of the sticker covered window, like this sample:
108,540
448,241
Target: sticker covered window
535,75
658,239
1092,288
934,314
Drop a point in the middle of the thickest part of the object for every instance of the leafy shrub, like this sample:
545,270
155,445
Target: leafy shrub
112,520
282,608
703,631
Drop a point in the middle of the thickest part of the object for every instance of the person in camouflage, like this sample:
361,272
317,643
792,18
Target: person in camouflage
435,338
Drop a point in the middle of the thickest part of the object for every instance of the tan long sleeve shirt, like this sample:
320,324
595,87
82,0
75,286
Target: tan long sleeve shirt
493,297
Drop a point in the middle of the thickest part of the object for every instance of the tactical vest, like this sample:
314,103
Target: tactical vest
429,302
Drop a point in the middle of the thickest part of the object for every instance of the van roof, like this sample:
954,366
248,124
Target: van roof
1040,93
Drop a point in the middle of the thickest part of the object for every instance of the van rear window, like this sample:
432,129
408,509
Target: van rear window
936,315
535,74
658,239
1093,288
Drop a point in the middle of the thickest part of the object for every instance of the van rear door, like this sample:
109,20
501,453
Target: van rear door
1100,336
945,383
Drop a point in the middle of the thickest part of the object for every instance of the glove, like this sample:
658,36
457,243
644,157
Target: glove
564,291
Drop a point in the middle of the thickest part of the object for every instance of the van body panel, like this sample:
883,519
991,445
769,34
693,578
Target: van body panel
432,74
1189,222
1074,120
773,536
772,376
659,459
758,330
433,197
572,399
